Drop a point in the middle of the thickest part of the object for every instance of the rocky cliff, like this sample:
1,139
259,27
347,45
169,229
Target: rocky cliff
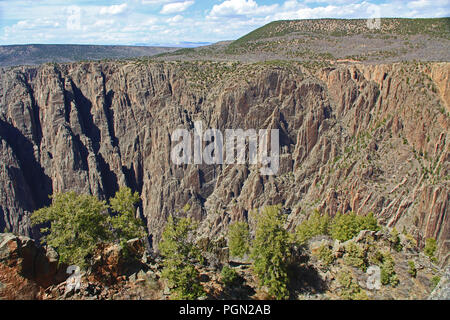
366,138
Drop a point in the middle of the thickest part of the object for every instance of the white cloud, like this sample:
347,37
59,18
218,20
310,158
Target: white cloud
114,9
167,21
157,1
233,8
176,7
175,19
419,4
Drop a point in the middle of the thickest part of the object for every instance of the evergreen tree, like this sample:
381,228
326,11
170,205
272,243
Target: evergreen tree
271,252
180,254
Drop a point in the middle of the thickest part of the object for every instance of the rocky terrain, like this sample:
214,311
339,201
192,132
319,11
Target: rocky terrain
34,54
29,272
362,137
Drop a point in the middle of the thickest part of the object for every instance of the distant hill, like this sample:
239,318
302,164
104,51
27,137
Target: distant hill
323,40
34,54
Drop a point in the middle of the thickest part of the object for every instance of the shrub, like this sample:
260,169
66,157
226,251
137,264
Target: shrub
388,275
271,251
124,221
430,248
78,223
342,227
180,253
186,207
325,254
410,241
350,288
355,256
412,269
346,226
228,276
239,239
375,257
435,281
315,225
394,240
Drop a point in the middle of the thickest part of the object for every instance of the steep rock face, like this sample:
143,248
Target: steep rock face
362,138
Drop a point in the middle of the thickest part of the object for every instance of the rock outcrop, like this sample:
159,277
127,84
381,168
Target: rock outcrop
25,269
362,138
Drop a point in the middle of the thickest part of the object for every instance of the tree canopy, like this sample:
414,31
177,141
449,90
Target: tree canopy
74,224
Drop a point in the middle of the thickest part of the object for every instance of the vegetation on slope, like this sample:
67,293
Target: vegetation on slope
75,224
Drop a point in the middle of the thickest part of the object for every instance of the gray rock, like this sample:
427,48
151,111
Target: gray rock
442,290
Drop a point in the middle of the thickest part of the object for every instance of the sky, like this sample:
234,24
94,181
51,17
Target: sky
179,22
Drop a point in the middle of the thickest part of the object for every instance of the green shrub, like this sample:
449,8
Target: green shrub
412,269
228,276
315,225
342,227
355,256
346,226
124,221
388,275
239,239
186,207
394,240
375,256
180,254
325,254
271,252
430,248
435,281
410,241
350,289
78,223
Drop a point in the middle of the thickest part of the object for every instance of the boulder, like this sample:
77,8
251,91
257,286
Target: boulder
26,269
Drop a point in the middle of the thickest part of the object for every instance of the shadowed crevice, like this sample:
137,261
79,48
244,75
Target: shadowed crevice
39,183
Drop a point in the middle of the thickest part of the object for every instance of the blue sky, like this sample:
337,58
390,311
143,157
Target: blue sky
172,22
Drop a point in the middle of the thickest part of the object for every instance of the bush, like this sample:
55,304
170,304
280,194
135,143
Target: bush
394,240
315,225
435,281
342,227
355,256
346,226
124,221
78,223
239,239
271,252
388,275
375,256
350,288
410,241
180,253
412,269
228,276
430,248
325,254
186,207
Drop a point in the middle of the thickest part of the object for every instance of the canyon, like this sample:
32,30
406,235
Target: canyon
354,137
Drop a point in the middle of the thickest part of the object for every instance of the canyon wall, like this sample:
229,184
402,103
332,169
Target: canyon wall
366,138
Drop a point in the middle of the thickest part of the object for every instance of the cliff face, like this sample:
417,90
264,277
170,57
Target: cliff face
362,138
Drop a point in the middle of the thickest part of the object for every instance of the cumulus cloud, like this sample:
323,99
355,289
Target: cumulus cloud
175,19
233,8
114,9
176,7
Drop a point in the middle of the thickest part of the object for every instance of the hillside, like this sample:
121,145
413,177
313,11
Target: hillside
334,40
34,54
